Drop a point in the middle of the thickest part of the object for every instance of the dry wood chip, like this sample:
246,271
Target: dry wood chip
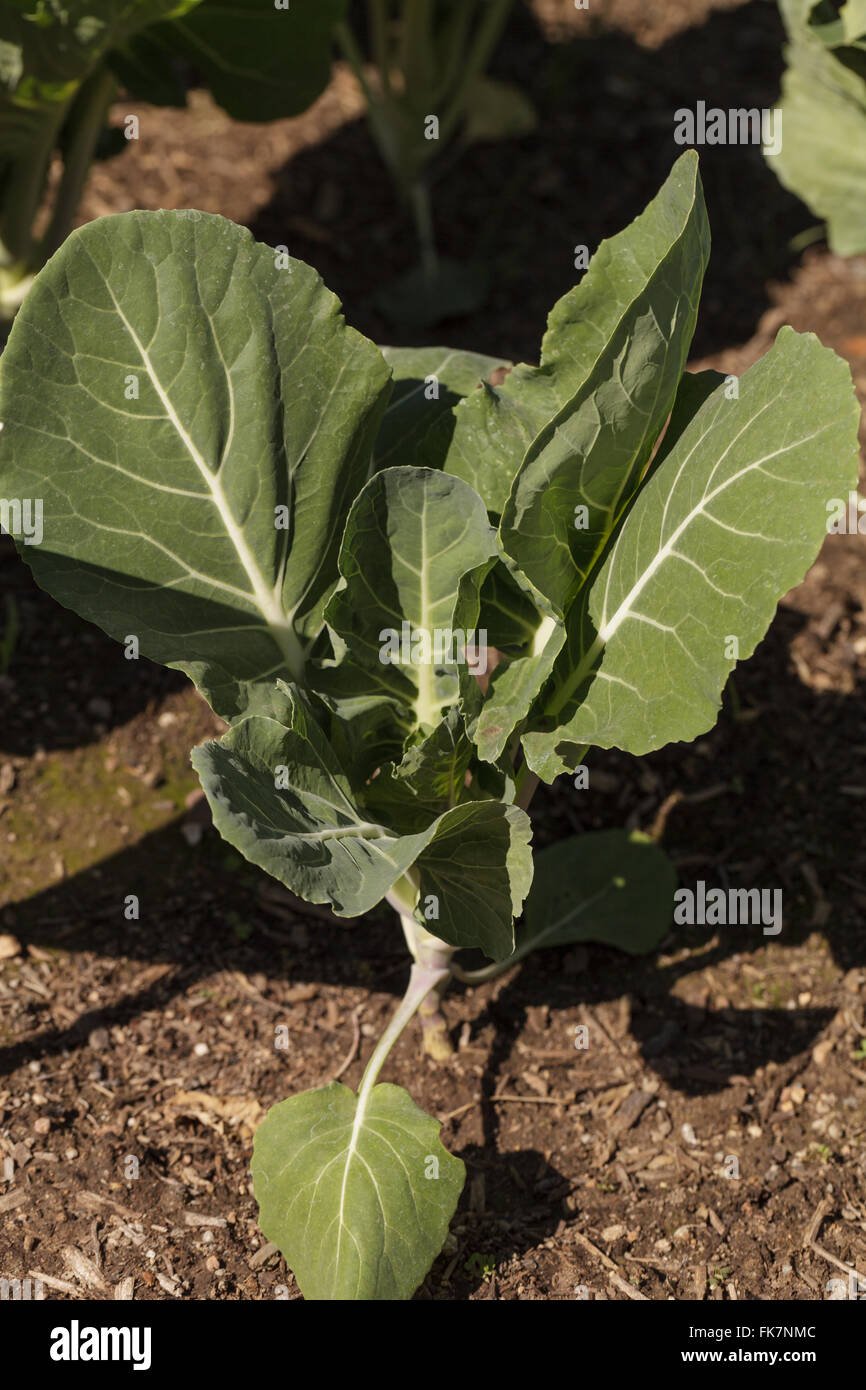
630,1111
124,1292
198,1218
93,1201
150,976
624,1287
300,994
262,1256
613,1098
716,1222
16,1198
235,1110
171,1286
132,1233
60,1285
82,1268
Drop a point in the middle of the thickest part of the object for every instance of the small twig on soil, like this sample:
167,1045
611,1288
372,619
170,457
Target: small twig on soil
840,1264
594,1250
613,1272
822,1211
810,1239
595,1022
59,1284
628,1289
356,1043
538,1100
666,1266
785,1077
461,1110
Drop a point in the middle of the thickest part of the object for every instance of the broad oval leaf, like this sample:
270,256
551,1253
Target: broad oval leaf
197,422
613,887
260,61
727,524
356,1193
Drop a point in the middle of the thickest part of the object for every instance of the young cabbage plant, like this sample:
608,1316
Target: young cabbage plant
330,540
427,95
60,65
823,110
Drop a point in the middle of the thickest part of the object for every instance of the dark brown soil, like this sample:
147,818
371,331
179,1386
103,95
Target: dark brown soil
136,1056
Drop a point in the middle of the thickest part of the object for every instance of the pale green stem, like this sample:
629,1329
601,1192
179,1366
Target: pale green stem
419,195
22,194
377,110
490,972
486,39
431,954
379,37
454,50
421,981
89,114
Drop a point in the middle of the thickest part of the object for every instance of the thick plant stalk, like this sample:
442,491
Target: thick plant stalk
431,954
435,1038
422,981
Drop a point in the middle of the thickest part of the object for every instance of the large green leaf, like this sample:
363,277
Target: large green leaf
637,307
260,62
643,283
727,524
357,1193
428,384
823,111
411,536
611,886
611,362
280,797
161,511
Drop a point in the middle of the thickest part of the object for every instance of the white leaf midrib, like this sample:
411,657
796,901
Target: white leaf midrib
271,610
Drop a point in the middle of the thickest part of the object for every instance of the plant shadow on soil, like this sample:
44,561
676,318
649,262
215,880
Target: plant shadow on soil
205,909
603,146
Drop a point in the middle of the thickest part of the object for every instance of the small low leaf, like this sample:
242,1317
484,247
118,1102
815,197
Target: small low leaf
610,886
357,1194
497,111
